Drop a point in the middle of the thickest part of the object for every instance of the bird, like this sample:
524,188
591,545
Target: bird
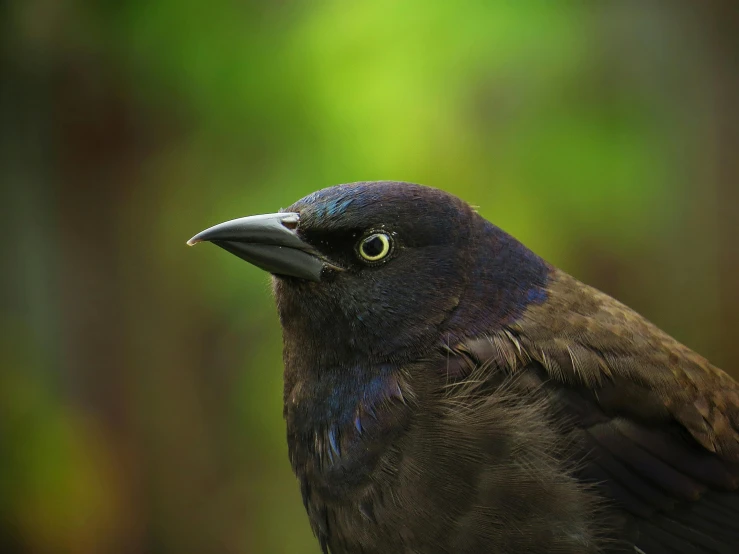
447,390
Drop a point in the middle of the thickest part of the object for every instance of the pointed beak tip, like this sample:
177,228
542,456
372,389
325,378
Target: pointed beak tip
268,241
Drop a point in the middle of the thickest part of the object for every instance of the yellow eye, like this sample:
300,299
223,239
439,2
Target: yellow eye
374,247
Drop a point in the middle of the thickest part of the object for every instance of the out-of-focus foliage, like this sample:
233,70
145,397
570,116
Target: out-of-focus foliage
140,392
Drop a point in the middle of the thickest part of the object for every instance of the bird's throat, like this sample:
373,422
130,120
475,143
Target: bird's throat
339,420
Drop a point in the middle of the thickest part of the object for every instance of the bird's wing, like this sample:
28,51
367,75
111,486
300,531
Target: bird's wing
658,423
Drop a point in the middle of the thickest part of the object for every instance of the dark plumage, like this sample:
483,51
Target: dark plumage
448,391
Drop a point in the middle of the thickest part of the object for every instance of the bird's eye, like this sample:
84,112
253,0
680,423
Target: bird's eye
374,247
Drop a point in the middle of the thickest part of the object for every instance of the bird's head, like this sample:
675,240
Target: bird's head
380,271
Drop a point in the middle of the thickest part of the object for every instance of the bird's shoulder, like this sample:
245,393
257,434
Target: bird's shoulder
584,339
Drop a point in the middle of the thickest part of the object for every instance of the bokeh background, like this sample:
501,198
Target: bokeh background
140,392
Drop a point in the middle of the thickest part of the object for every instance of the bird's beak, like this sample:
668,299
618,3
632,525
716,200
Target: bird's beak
269,242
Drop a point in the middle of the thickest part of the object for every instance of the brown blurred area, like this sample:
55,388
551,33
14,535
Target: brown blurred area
140,390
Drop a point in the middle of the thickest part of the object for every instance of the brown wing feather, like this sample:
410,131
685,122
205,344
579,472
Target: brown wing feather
659,425
582,336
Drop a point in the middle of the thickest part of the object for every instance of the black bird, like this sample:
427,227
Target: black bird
448,391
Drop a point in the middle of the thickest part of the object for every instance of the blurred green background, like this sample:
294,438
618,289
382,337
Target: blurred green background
140,392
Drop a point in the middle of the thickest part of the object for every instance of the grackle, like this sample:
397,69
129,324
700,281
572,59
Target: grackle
448,391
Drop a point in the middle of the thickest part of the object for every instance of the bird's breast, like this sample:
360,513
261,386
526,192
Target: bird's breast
340,422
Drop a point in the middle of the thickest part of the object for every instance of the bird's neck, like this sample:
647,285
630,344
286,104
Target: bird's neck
503,279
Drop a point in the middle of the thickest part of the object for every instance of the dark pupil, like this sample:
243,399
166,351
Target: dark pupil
373,247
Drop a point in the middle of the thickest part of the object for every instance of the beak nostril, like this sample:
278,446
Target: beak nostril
291,222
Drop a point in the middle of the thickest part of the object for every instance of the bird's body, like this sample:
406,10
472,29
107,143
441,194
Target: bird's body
448,391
